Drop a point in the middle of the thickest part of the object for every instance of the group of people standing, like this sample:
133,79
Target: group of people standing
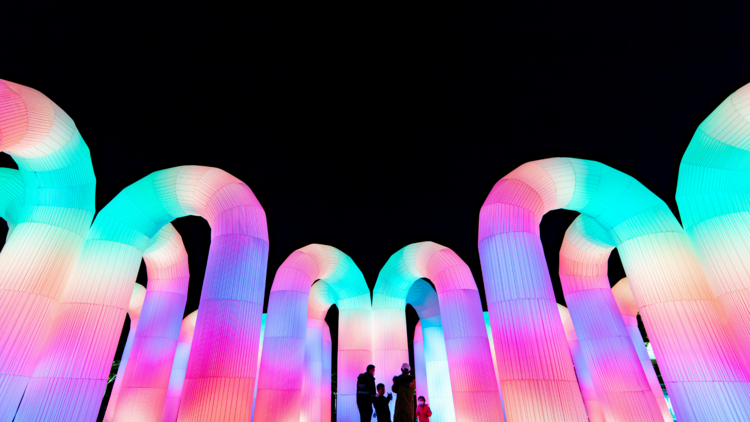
404,387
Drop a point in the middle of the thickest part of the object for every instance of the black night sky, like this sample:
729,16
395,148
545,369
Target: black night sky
369,125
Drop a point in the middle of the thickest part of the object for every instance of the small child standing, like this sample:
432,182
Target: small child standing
380,402
423,410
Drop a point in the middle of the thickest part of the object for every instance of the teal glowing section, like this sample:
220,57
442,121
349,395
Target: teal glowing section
713,194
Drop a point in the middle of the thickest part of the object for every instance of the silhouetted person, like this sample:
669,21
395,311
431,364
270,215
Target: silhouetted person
366,393
403,386
423,410
381,404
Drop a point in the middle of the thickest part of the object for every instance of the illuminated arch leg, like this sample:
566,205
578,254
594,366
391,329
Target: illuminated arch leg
146,379
629,312
590,399
420,368
179,368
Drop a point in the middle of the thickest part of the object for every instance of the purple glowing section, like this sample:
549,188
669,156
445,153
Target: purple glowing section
179,368
146,379
672,293
472,377
590,399
282,372
69,380
621,386
134,312
48,228
629,312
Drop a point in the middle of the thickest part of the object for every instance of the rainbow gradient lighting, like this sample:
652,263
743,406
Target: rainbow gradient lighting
472,376
701,369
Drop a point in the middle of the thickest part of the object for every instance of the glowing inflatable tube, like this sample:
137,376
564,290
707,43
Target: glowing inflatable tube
621,386
474,387
714,201
700,367
179,368
134,312
260,355
629,312
590,399
420,368
51,226
423,297
146,379
280,380
11,197
494,358
325,389
312,372
69,381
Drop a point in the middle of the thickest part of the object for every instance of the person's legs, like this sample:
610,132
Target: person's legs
365,412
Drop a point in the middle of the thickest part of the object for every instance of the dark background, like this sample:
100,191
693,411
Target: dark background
370,125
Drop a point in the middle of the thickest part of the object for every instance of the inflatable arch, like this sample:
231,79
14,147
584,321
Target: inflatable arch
670,288
590,399
134,312
179,368
52,224
69,381
621,386
629,312
467,348
281,369
146,378
713,195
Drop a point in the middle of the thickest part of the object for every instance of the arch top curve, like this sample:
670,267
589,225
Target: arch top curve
615,200
438,263
341,281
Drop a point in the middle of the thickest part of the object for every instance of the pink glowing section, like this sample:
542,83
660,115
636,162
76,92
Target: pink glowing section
615,369
281,376
134,312
179,368
474,387
670,288
420,368
312,372
325,388
146,379
629,312
260,356
51,225
590,399
712,196
70,377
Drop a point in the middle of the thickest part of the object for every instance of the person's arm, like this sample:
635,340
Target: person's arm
429,411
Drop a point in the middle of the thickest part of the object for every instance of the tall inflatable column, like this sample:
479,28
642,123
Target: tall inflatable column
420,369
134,312
179,368
325,389
615,369
590,399
53,222
629,311
700,366
144,386
281,372
69,379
